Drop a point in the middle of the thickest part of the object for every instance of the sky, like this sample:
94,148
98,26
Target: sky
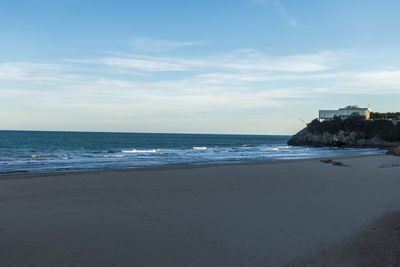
210,66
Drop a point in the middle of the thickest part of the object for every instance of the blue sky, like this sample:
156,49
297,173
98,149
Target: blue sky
244,66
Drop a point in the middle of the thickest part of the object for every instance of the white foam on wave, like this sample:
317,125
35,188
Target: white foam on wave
31,156
112,156
45,157
278,148
200,147
141,151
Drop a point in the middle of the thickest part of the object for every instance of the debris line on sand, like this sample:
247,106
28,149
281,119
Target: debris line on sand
333,162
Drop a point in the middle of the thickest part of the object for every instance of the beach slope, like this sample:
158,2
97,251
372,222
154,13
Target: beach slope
289,213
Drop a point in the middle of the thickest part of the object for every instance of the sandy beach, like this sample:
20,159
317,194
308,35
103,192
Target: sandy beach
286,213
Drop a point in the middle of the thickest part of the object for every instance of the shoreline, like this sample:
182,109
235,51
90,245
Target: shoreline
171,167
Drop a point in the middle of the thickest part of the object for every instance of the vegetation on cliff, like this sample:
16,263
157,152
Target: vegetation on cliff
388,115
385,129
353,131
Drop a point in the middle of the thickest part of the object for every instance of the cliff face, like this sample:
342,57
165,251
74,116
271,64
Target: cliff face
341,139
351,132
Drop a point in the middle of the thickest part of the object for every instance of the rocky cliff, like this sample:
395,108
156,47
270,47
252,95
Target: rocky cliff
341,139
353,132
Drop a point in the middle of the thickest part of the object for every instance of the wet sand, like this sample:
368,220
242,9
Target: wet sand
287,213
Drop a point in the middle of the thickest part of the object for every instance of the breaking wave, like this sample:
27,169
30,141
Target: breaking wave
51,152
200,147
141,151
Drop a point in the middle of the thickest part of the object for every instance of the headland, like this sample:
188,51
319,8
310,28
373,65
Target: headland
350,127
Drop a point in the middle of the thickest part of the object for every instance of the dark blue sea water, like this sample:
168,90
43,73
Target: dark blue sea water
37,152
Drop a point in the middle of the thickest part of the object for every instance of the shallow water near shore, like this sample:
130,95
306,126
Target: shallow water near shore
38,152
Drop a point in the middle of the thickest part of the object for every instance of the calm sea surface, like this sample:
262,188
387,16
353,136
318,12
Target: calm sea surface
37,152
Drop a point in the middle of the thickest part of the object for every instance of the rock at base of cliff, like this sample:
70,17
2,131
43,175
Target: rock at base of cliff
394,151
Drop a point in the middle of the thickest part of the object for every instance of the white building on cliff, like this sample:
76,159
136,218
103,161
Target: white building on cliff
344,113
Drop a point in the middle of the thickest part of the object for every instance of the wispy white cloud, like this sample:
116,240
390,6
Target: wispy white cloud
247,74
243,72
252,60
292,22
149,64
155,45
280,7
16,70
250,77
145,63
241,60
87,86
374,82
239,81
176,89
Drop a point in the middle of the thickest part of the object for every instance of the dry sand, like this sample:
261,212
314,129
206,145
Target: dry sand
289,213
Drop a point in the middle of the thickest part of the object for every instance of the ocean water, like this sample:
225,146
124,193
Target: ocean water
38,152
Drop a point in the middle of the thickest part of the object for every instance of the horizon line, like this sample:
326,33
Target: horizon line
127,132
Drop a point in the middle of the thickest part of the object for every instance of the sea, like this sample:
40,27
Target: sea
47,151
